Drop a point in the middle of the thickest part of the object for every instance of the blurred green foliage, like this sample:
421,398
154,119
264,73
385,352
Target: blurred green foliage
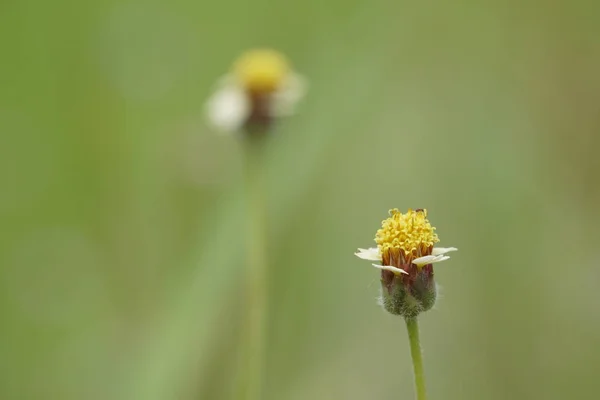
121,217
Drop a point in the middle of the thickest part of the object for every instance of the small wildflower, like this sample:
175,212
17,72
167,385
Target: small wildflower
405,254
260,88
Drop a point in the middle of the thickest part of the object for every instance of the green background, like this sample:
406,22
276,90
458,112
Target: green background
122,218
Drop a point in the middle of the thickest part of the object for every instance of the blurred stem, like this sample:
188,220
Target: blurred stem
255,304
417,358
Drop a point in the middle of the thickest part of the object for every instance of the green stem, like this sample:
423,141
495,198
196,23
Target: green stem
255,304
417,358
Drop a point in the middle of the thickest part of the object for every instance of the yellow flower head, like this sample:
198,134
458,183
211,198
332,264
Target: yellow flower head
261,88
261,71
404,237
405,256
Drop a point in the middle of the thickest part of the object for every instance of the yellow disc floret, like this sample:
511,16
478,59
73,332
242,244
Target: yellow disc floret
261,70
403,237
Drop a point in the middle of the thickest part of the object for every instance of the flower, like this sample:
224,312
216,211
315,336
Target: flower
405,251
260,88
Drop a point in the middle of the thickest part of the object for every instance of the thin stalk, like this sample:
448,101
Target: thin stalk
254,328
417,358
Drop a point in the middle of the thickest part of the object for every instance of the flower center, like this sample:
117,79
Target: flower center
261,71
404,237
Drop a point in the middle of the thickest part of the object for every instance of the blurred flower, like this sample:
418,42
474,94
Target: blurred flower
406,254
260,88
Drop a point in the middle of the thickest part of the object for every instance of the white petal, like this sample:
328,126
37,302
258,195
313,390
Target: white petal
228,108
429,260
371,254
286,98
390,268
438,251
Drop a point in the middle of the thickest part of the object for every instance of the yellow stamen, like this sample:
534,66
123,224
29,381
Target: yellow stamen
403,237
261,70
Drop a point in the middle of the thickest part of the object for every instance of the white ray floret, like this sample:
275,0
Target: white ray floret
421,261
285,100
371,254
438,251
228,108
390,268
